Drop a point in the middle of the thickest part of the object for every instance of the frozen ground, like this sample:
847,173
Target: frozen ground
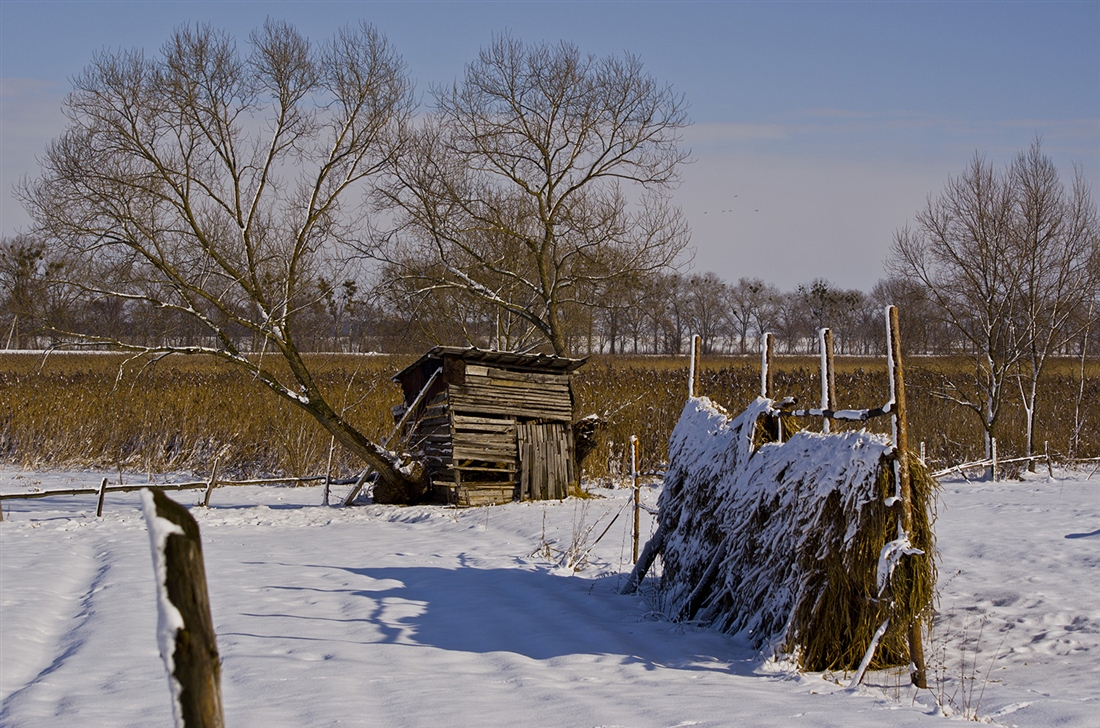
386,616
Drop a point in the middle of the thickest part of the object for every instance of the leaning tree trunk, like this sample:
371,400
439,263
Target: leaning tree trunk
400,480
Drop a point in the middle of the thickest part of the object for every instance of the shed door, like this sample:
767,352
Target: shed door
546,460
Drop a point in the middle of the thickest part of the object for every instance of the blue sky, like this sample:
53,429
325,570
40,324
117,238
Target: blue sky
819,128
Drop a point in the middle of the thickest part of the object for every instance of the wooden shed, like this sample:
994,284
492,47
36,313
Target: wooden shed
491,426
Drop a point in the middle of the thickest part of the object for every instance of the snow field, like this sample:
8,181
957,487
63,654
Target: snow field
388,616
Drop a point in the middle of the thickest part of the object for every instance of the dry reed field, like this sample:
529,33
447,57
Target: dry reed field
97,409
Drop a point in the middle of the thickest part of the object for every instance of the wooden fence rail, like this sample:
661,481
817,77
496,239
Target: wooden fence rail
208,485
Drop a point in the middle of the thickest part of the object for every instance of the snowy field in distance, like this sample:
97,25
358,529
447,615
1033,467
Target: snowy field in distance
426,616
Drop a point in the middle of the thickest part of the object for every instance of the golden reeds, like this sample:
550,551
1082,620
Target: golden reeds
182,412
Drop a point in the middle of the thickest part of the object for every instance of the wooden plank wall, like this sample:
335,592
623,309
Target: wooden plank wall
547,466
523,395
497,431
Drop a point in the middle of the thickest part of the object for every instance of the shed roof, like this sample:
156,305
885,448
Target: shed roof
504,359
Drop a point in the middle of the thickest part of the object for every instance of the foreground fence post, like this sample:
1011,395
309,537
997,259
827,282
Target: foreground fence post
185,629
919,674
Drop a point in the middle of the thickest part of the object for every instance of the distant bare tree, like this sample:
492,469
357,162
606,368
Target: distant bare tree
706,305
217,186
920,333
26,266
752,305
540,177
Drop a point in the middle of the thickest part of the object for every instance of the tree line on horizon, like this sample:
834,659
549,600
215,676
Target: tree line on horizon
656,315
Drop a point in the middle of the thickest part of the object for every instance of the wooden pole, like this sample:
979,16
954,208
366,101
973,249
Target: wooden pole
996,469
767,379
693,372
1046,450
828,377
212,484
185,628
919,674
328,470
357,487
637,493
99,503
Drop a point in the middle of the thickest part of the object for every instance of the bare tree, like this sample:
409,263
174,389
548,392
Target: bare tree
1058,236
538,178
920,331
220,186
751,301
706,299
963,252
25,269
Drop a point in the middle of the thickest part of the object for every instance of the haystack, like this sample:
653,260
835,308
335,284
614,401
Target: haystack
795,544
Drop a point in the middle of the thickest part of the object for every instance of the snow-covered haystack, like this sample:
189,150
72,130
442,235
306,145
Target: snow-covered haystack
795,544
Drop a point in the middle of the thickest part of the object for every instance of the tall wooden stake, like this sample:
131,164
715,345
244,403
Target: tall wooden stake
767,379
693,372
905,490
185,628
828,376
637,492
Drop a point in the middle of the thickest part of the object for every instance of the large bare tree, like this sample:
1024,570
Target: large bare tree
1058,234
1007,261
218,184
540,178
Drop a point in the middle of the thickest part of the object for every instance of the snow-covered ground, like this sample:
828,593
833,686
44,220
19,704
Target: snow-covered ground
389,616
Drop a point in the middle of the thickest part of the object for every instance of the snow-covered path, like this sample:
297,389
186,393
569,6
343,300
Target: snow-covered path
384,616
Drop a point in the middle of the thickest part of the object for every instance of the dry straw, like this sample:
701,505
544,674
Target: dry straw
782,541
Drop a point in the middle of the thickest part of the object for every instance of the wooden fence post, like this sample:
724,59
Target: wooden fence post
919,674
767,380
213,484
328,470
1046,450
637,492
828,376
99,503
693,372
185,629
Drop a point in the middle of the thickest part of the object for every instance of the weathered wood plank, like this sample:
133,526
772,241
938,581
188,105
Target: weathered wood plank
488,439
474,404
461,419
495,373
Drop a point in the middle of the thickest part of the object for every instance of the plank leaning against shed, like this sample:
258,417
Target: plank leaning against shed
492,426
